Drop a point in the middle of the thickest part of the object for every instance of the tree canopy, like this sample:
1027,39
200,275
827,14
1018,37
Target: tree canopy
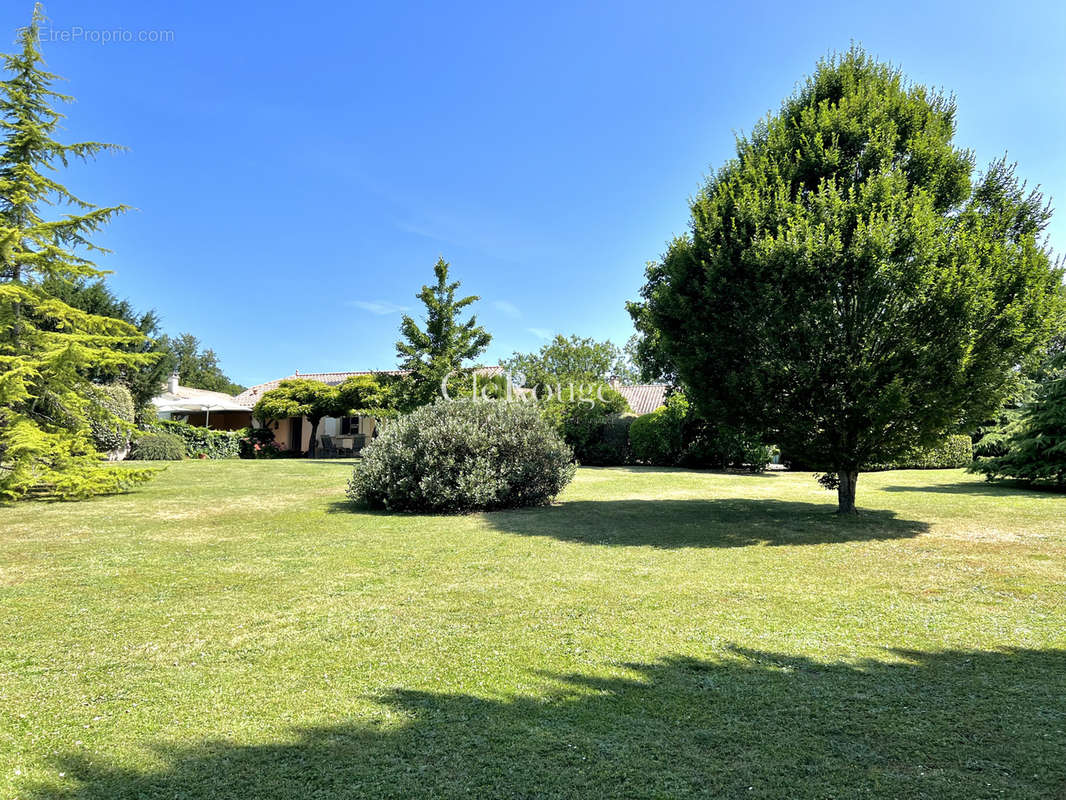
47,346
300,397
366,395
198,367
443,346
574,358
142,380
847,288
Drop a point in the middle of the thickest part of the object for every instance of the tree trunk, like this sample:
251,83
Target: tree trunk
846,491
311,444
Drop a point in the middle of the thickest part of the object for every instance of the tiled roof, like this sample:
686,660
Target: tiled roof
644,398
250,396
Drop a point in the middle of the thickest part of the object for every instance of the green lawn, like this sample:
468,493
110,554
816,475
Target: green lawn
234,630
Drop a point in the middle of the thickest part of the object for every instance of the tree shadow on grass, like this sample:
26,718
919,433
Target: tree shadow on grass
751,724
701,523
1003,489
346,463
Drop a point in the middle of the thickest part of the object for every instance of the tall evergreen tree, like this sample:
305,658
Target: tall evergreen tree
1036,453
47,346
429,355
846,290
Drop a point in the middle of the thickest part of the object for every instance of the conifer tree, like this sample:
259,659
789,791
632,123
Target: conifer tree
429,356
47,346
1036,453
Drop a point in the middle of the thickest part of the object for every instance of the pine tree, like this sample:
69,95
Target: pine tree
1037,451
46,346
429,356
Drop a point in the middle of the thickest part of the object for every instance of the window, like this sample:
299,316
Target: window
349,425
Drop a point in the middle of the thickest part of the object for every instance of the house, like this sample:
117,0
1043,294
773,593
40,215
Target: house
200,407
295,434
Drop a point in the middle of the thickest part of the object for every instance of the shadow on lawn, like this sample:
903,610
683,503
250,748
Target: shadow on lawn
701,523
752,725
1006,489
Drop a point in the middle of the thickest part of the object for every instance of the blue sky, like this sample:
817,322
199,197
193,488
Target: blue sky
297,169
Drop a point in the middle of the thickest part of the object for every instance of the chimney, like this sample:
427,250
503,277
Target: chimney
172,383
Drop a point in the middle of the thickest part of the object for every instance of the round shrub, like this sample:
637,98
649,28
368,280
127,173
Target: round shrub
113,417
158,447
453,457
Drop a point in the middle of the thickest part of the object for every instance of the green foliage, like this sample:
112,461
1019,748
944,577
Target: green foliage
675,435
1037,451
143,380
574,359
366,395
950,453
844,289
645,351
583,414
201,442
112,420
258,443
994,436
429,356
658,438
158,447
196,367
452,457
721,446
47,347
607,442
301,397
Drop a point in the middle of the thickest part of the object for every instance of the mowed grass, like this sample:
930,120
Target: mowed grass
235,630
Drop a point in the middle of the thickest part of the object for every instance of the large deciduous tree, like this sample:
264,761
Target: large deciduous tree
47,347
429,355
846,288
300,397
572,358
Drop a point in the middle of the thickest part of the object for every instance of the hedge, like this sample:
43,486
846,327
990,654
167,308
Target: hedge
955,451
201,441
675,435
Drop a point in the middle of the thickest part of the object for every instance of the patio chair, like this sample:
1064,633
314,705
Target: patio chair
358,443
327,449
